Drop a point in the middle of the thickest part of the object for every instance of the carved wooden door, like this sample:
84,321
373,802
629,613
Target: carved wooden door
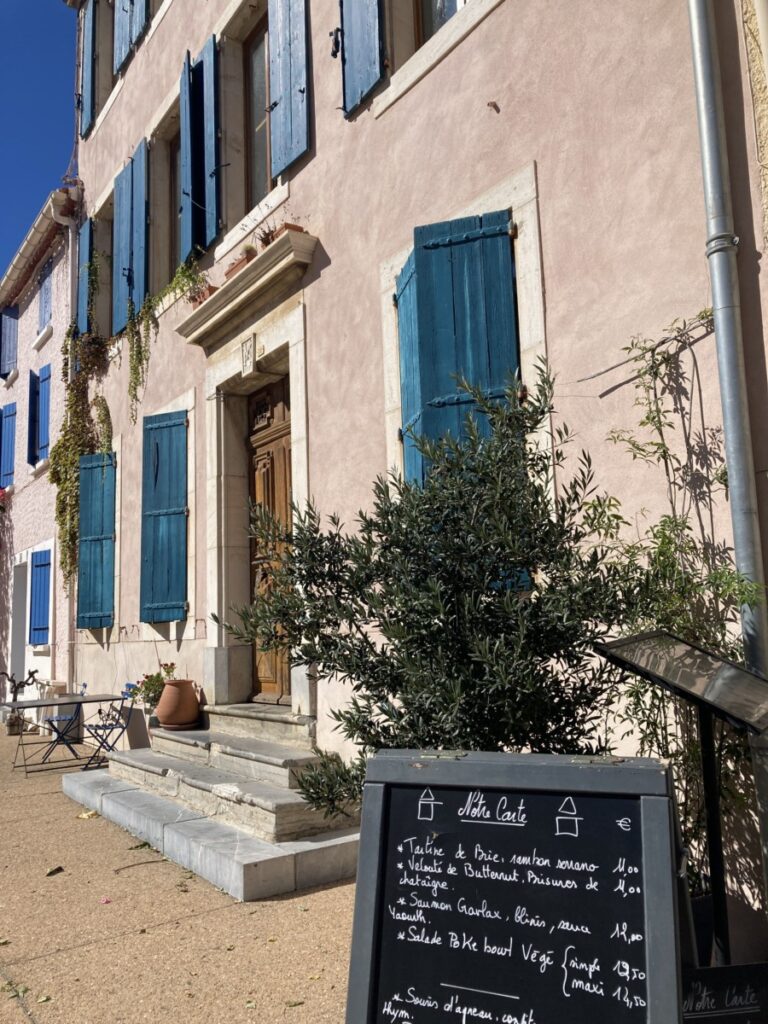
270,443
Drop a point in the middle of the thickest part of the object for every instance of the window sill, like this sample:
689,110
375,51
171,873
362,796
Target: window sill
251,221
43,336
282,263
433,51
39,469
40,650
12,376
8,491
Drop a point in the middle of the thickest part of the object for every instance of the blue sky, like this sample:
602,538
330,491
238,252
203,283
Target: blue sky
37,87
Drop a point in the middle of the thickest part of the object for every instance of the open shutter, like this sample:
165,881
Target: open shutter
44,296
140,209
464,318
44,413
289,109
121,248
85,254
87,73
362,49
96,551
410,381
7,444
185,159
139,19
9,334
122,33
40,597
164,518
210,141
33,418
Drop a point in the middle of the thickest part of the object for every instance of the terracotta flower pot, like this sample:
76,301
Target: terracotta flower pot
178,707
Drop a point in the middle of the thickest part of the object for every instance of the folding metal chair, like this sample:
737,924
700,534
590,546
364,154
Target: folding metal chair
108,727
65,728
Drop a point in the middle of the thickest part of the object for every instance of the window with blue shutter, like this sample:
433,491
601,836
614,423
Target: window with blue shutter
9,334
129,238
362,50
457,318
96,545
288,83
38,436
7,444
139,19
84,257
122,33
88,69
199,142
164,518
40,598
44,294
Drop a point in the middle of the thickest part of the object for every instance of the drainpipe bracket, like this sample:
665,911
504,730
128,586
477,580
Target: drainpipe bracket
724,241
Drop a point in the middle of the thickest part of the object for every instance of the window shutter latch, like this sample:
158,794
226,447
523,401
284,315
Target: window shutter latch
336,42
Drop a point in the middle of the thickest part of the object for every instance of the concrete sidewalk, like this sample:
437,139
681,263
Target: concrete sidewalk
121,936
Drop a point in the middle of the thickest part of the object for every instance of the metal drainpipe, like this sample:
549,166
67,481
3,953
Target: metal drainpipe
721,254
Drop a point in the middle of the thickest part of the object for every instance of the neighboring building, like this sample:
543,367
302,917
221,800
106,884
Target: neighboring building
35,312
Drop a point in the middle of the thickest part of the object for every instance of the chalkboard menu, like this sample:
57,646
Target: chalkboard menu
514,890
716,995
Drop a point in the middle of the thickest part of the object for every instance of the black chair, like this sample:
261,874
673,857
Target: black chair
65,728
108,727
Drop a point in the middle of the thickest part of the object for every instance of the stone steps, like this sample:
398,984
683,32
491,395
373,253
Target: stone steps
269,812
270,722
279,764
246,867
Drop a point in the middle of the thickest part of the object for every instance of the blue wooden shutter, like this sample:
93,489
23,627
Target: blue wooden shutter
87,72
362,49
140,210
139,19
121,248
410,380
210,142
289,108
44,413
7,444
33,418
187,240
96,550
85,255
122,33
40,597
164,518
44,296
465,320
9,334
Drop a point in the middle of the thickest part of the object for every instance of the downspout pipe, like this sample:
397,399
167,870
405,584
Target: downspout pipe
721,251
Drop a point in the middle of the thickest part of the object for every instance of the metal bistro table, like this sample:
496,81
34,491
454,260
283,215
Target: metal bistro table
64,733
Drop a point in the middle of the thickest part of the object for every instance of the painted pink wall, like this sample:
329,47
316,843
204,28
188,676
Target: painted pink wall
601,99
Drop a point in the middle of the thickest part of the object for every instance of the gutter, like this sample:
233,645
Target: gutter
721,250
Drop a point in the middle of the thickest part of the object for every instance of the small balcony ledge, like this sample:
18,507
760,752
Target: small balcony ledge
281,265
43,336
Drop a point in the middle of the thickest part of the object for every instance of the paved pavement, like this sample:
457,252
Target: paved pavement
121,936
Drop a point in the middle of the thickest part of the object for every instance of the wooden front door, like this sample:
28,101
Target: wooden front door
269,417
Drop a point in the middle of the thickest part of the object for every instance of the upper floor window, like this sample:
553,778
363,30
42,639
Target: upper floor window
431,15
44,309
256,53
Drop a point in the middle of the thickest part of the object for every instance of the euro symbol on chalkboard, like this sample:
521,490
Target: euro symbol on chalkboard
624,824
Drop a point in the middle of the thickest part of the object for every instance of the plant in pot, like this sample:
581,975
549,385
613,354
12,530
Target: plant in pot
178,706
247,253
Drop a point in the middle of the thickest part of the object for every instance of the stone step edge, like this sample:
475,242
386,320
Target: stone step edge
253,711
226,743
294,865
270,802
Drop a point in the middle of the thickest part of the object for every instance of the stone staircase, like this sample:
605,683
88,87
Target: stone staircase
222,801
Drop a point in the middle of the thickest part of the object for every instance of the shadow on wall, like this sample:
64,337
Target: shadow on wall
6,591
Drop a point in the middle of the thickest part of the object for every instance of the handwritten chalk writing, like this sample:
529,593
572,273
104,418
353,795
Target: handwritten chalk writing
532,920
418,901
621,931
489,855
423,936
465,942
411,996
404,915
629,999
570,926
483,910
498,950
626,890
486,871
700,999
542,957
428,867
476,809
746,999
396,1013
624,970
424,847
564,864
533,878
532,860
435,885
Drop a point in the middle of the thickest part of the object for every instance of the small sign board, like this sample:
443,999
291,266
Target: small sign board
726,995
515,889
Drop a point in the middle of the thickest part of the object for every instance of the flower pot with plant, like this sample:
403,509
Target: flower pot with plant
247,253
178,706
